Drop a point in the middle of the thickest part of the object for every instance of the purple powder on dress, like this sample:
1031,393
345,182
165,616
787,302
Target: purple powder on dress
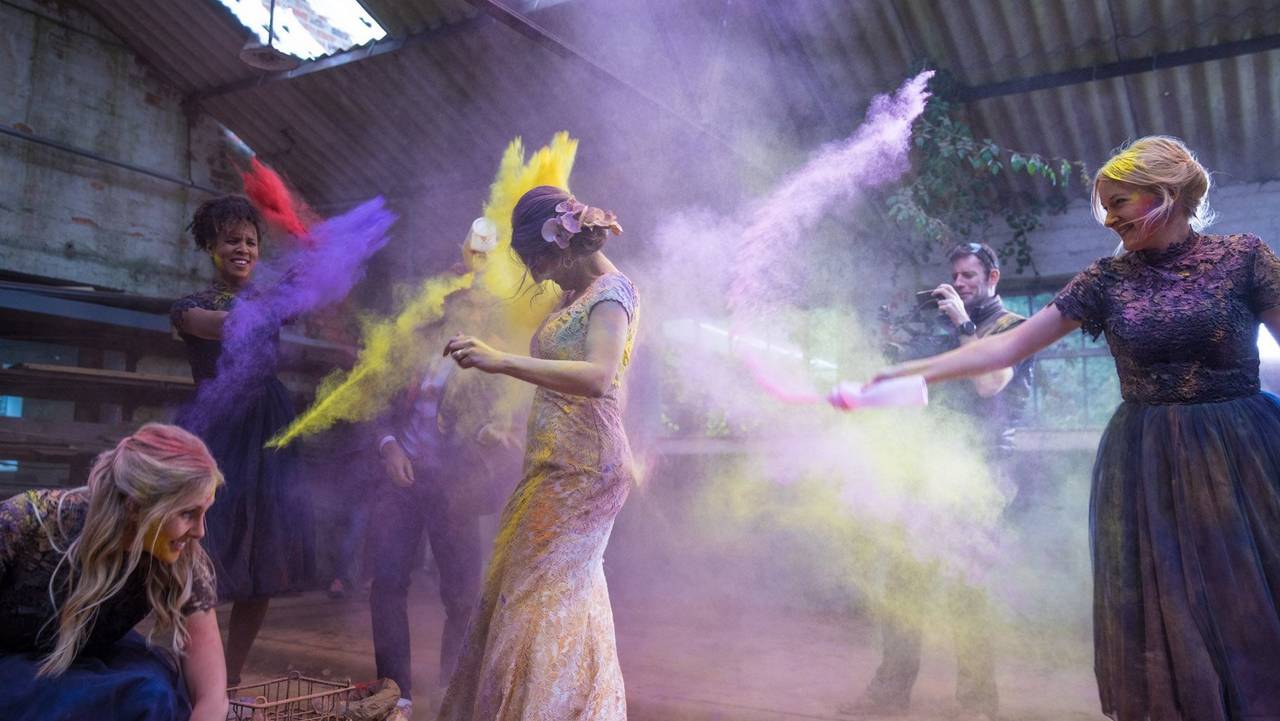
309,277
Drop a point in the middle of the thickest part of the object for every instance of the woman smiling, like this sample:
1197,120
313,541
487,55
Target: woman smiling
1185,513
79,568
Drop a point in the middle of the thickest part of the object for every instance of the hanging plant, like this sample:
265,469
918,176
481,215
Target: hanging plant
959,184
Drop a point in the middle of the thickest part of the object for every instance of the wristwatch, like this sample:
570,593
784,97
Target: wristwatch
967,328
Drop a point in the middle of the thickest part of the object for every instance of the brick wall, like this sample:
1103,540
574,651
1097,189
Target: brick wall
73,218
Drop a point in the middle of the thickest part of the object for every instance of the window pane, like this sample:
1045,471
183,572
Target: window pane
1071,343
1090,343
1041,300
1059,393
11,406
1020,304
1103,386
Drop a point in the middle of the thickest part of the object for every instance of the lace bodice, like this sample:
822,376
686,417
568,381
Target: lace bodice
205,354
35,527
1182,323
202,353
563,336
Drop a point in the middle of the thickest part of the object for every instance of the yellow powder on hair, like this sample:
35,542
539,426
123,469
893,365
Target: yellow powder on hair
505,276
1122,166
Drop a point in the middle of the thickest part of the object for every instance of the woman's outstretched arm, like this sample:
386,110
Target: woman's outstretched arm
606,341
204,668
991,353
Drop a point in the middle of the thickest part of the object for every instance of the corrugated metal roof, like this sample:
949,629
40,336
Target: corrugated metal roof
765,77
194,43
408,17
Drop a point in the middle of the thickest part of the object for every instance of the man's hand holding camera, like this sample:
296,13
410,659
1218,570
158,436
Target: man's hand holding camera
951,305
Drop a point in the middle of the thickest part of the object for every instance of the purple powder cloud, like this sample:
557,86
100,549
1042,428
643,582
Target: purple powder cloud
307,278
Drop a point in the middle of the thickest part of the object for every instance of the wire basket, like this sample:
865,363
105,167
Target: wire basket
290,698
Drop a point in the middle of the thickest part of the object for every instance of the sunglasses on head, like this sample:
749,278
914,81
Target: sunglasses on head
983,254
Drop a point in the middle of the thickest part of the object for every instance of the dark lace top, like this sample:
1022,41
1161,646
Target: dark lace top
29,524
1182,323
202,353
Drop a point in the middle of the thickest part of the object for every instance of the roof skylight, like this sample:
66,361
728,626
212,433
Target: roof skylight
309,29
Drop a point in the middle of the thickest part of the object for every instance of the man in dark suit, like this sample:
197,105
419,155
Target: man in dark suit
450,446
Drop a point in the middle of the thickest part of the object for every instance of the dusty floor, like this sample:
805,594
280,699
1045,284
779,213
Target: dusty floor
721,665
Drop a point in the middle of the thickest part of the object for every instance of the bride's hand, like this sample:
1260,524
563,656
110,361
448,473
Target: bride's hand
470,352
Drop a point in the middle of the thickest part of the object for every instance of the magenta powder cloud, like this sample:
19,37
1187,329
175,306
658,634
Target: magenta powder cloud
875,154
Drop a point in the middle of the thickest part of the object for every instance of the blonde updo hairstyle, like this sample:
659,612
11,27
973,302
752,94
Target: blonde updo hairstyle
1164,166
145,480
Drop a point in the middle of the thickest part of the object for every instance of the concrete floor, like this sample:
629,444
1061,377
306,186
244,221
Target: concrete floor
691,665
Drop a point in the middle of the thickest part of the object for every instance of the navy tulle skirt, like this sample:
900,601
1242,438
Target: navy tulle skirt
259,531
1185,522
127,682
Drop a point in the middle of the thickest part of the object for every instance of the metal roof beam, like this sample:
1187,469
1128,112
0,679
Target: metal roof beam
544,38
337,60
83,153
1105,71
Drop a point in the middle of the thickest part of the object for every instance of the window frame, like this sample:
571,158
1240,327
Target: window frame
1027,298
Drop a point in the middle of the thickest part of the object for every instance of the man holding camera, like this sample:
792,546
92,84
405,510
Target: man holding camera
995,402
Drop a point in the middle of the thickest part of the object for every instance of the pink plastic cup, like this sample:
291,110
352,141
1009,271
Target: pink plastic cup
905,392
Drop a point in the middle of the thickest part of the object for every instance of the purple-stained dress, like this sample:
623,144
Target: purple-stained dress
1185,512
540,645
260,531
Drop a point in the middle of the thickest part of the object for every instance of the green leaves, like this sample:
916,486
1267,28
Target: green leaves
954,189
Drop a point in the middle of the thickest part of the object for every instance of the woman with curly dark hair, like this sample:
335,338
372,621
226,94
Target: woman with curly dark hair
260,532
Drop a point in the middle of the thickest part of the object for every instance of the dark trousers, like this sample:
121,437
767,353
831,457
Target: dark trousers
350,545
401,515
907,586
345,510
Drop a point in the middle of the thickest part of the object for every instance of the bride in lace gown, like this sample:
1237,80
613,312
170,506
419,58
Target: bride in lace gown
540,644
1185,511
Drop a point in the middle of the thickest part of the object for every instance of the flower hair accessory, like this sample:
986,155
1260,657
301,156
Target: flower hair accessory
573,217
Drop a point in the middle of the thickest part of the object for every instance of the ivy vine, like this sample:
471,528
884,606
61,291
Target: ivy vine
958,184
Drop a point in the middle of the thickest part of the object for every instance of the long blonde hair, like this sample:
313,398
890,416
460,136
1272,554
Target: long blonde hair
147,478
1165,166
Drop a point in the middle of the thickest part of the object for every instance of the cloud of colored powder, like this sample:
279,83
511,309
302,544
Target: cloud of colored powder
319,272
875,154
394,349
854,496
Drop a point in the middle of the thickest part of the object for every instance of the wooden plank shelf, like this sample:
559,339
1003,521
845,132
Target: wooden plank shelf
94,385
24,439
